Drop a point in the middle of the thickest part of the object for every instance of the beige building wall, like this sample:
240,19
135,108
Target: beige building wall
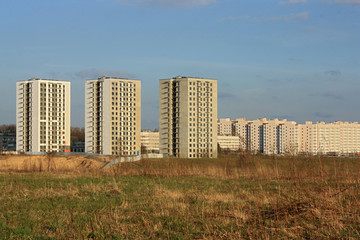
308,138
113,116
225,127
255,135
241,130
267,136
288,137
231,143
350,135
271,136
150,140
327,138
188,117
43,116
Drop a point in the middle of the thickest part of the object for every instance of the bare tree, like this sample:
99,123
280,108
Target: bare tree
77,134
8,128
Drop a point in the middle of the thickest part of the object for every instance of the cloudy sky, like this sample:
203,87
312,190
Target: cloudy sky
294,59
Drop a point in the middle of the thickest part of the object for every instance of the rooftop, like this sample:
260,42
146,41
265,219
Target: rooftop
41,79
183,77
118,78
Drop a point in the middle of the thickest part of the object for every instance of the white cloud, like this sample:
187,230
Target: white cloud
292,2
166,3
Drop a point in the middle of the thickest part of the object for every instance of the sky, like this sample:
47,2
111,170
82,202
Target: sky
293,59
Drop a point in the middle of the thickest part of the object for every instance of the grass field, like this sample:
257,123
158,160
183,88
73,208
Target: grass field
234,197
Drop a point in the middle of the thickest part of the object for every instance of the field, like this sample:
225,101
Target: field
233,197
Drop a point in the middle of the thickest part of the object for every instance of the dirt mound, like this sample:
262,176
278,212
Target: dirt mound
39,163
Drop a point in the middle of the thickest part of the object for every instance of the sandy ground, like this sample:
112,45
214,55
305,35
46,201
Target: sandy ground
51,163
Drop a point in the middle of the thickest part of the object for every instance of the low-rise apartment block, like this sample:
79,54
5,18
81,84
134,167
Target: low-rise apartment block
329,138
287,137
150,141
7,141
229,143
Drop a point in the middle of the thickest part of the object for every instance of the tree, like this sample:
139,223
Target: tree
77,134
143,149
8,128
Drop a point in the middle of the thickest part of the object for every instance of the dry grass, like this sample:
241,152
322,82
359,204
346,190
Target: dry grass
51,163
235,197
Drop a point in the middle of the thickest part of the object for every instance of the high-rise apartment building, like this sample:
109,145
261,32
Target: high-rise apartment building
42,116
188,117
113,116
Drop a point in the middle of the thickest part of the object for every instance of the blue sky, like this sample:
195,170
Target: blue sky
294,59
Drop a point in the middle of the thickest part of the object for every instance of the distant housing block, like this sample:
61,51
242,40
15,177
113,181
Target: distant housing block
274,136
7,141
150,141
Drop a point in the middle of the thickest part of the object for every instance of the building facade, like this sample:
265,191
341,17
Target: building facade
113,116
229,143
42,116
241,129
225,127
276,136
288,137
188,117
329,138
255,135
150,141
78,147
7,141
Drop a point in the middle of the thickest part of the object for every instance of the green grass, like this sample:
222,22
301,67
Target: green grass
244,197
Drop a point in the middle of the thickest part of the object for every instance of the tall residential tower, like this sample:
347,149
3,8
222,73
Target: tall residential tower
42,116
188,117
113,116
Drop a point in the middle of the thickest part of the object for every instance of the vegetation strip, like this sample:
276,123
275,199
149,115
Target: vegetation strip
235,197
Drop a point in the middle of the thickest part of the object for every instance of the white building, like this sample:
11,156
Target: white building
150,141
288,137
42,116
329,138
188,117
229,143
276,136
255,135
241,130
113,116
225,127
